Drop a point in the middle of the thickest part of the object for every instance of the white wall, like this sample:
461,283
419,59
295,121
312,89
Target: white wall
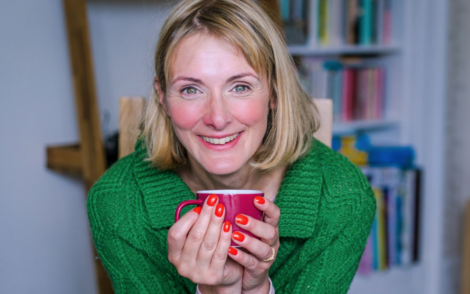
45,245
457,137
44,237
124,35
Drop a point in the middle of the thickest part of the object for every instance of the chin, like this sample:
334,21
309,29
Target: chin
222,168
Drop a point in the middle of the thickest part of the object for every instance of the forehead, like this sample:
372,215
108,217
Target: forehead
207,55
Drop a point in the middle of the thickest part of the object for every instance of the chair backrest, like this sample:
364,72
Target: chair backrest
131,109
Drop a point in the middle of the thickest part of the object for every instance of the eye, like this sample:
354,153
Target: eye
189,90
241,88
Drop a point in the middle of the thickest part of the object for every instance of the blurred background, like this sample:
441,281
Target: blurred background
398,72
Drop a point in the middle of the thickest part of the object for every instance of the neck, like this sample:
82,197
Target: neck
197,178
246,178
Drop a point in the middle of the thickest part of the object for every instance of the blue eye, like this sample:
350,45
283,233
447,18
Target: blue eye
189,90
241,88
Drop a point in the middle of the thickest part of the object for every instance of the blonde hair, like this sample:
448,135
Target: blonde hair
245,25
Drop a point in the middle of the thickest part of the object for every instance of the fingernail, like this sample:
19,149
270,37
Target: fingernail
212,200
227,226
219,210
241,219
259,200
197,209
232,251
238,236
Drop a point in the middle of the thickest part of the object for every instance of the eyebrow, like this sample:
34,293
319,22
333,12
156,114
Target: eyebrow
242,75
194,80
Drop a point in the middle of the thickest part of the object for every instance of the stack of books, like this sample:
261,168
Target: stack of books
394,238
337,22
357,91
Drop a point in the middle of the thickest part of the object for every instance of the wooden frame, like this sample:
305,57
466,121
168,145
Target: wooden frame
86,159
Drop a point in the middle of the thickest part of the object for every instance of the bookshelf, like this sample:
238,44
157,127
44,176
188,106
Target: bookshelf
345,128
303,50
413,58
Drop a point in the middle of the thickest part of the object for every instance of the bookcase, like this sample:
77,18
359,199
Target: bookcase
395,49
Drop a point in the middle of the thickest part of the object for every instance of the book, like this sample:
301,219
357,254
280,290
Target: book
366,17
352,16
387,22
335,23
312,20
323,22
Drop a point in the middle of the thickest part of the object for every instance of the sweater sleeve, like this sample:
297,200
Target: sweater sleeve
133,257
328,262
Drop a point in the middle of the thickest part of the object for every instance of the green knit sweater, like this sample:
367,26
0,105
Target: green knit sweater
327,209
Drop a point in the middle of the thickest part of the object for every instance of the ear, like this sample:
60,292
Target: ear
161,96
273,102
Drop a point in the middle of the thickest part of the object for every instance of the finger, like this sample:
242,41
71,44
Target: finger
272,213
254,246
211,239
248,261
220,255
198,231
178,232
263,230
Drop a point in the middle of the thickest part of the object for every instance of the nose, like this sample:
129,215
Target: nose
217,115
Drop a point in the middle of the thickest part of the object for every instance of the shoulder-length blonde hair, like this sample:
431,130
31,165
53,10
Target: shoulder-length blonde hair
244,24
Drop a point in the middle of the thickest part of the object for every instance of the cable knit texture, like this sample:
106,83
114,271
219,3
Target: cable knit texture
327,208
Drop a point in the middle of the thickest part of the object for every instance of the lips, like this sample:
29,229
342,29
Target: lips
220,141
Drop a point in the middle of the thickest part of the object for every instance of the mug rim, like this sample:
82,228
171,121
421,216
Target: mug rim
230,191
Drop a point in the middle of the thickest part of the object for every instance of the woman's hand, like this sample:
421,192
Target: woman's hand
255,275
198,246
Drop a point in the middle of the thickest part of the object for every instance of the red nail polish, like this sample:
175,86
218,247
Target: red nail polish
212,200
219,210
241,219
259,200
238,236
197,209
227,226
232,251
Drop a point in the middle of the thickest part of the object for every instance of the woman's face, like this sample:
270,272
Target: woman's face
218,104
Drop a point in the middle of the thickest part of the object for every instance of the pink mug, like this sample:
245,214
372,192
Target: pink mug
235,202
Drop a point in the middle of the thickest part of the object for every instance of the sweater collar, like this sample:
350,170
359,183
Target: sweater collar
298,197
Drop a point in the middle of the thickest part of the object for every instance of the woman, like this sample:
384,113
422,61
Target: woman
229,113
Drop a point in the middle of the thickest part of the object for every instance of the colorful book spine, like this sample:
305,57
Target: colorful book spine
365,22
387,22
394,238
285,10
323,22
347,93
332,23
313,25
357,91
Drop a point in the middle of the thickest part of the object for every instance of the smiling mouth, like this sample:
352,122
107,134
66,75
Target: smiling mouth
220,141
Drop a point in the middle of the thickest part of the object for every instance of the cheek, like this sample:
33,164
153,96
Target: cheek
185,115
252,113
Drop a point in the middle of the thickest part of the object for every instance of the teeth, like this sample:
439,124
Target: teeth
221,141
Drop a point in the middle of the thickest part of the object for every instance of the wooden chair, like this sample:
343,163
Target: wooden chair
131,109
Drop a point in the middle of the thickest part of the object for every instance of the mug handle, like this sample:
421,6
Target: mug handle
185,203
